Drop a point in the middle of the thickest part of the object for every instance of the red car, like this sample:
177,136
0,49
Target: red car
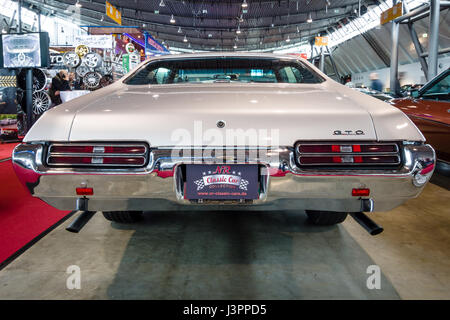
429,109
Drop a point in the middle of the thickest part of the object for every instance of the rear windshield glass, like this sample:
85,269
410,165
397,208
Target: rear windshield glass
214,70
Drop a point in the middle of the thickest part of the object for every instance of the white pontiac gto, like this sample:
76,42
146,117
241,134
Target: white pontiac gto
225,131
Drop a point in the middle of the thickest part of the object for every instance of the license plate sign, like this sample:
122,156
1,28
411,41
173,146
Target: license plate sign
222,182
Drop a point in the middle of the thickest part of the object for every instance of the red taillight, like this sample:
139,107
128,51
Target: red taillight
121,160
360,192
85,191
348,159
71,149
72,160
341,154
97,160
98,149
97,155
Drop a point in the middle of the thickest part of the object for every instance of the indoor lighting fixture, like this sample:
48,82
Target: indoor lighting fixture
144,25
288,39
179,30
309,20
235,46
102,18
424,35
244,4
185,39
172,19
238,31
78,4
162,4
4,30
189,45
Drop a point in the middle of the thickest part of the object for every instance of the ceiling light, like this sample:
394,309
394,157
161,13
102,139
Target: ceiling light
244,4
172,19
288,39
424,35
162,4
144,25
78,4
189,45
156,11
102,18
238,31
4,30
235,46
185,39
309,20
179,30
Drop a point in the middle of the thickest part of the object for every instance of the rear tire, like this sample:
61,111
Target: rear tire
325,218
123,216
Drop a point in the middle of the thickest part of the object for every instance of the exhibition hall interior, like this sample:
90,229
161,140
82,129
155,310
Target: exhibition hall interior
225,150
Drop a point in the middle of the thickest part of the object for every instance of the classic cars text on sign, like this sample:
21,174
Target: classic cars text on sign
113,13
222,182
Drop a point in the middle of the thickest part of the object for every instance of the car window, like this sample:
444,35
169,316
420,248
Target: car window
213,70
438,91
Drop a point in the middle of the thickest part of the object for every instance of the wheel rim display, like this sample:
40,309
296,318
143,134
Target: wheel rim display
71,59
92,79
41,102
92,60
82,70
39,79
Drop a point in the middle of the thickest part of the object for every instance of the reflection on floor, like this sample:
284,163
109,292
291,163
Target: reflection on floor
232,255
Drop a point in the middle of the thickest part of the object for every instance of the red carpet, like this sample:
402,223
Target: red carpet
6,150
22,217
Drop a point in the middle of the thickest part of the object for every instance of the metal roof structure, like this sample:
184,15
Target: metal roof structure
372,50
216,24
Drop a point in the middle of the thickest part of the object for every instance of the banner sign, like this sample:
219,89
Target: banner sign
321,41
391,13
152,46
94,41
222,182
113,13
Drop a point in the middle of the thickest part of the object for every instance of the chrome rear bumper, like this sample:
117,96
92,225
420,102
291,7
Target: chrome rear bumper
284,185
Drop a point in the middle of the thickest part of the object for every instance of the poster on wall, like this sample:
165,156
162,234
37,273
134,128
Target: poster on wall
8,91
24,50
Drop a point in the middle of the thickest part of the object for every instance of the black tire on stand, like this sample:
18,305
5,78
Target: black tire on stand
123,216
325,218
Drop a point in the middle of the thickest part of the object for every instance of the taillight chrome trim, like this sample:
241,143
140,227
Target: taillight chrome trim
95,154
299,155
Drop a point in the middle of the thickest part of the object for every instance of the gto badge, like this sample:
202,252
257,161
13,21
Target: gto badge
220,124
348,132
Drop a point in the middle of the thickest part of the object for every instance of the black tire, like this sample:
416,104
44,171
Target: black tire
123,216
325,218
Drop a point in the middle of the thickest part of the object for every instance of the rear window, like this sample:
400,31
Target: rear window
228,70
